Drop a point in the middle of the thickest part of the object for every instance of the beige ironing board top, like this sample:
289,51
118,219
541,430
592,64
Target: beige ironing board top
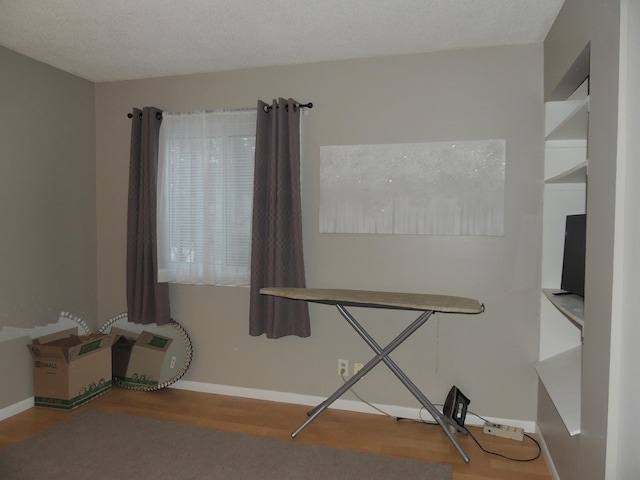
373,299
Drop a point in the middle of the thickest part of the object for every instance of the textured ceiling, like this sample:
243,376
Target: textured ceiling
105,40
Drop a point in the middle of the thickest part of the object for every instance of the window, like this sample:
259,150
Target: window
205,197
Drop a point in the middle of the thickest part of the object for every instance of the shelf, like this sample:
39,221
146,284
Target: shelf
568,120
562,377
571,306
577,174
567,128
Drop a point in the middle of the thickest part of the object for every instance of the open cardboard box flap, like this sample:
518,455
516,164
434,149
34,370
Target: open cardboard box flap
120,332
71,346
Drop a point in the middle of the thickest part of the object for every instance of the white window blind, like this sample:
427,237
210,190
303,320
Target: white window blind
205,197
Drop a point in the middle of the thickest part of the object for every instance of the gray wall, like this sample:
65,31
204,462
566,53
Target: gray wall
47,203
459,95
18,377
578,23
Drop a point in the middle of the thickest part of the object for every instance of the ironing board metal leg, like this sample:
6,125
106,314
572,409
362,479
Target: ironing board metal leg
442,420
406,333
382,355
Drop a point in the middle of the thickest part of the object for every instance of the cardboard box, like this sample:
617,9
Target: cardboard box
70,370
146,360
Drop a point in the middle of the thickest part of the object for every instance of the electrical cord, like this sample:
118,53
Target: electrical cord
489,452
497,454
422,420
352,390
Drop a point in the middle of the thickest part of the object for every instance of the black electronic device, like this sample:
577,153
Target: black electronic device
573,260
455,406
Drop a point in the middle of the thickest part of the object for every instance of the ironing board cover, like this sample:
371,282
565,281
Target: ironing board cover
374,299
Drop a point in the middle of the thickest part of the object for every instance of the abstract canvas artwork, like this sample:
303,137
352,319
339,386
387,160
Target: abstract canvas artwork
435,188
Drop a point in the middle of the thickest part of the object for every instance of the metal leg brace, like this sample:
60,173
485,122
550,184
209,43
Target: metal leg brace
382,355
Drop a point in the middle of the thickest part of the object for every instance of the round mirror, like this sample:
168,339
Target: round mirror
150,356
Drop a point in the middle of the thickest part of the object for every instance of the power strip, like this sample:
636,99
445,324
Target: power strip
503,431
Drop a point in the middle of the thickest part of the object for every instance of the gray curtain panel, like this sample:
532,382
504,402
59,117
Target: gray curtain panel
147,300
276,246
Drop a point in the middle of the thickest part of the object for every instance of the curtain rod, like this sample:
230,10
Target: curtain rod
158,115
299,105
266,109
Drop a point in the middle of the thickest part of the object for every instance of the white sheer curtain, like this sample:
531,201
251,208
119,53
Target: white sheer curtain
205,195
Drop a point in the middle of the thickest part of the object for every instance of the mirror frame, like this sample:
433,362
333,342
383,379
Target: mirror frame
85,330
179,374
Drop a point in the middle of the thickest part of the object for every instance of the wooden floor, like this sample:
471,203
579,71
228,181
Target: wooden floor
348,430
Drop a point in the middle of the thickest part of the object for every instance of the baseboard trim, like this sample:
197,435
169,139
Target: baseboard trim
340,404
16,408
310,400
547,455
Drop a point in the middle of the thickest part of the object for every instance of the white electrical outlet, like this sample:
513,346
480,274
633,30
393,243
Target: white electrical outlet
357,366
173,362
343,367
503,431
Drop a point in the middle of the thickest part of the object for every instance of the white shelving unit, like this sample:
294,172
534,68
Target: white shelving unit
571,306
567,120
561,376
562,316
576,174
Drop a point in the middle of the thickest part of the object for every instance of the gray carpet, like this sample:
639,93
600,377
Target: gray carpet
99,445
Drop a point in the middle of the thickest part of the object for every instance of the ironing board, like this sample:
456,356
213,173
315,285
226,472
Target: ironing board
424,303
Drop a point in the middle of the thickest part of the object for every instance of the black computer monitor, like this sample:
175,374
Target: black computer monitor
575,239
